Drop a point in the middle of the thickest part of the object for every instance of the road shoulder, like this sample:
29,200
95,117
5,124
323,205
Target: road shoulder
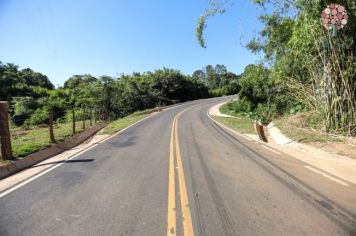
337,166
23,177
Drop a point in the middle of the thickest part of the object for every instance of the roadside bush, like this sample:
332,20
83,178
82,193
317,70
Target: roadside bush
60,121
79,114
23,108
316,120
228,89
39,117
296,108
262,113
218,92
265,114
242,106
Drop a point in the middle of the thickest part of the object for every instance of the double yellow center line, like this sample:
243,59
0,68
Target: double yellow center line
174,151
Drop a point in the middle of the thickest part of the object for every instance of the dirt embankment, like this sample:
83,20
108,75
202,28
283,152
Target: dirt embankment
298,128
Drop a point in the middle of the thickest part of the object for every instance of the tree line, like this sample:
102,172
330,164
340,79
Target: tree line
306,66
31,95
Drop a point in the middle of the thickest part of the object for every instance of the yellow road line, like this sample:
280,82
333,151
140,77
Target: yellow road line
187,219
171,217
172,213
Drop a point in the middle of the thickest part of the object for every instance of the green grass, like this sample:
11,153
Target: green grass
25,142
122,123
288,128
227,109
240,123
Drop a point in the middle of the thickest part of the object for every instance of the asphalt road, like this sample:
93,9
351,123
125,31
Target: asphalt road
178,173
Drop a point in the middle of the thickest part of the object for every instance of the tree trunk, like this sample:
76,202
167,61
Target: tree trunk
73,120
83,117
95,115
50,120
91,117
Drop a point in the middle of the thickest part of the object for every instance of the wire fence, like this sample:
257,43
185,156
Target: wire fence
49,131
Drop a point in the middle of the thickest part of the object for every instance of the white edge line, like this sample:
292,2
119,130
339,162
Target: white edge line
327,176
17,186
246,137
6,192
11,189
149,116
308,167
271,149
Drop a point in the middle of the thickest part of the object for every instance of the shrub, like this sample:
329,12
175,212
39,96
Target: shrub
23,109
296,109
241,106
40,116
78,114
316,120
265,114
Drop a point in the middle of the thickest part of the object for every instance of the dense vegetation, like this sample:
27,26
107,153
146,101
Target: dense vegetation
305,66
31,95
218,80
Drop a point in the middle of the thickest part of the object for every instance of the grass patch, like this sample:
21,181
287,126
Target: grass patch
302,135
296,127
240,123
228,109
122,123
25,142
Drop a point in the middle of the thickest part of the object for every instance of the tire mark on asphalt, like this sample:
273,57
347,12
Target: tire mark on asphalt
341,216
201,226
224,216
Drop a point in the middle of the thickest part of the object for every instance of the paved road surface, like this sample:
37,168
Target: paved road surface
178,173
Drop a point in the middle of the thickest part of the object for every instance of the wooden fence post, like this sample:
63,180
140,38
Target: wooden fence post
73,120
95,115
50,121
83,117
6,149
91,117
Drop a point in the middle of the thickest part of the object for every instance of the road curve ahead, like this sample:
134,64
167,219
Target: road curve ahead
176,173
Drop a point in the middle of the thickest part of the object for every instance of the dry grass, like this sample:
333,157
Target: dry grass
299,128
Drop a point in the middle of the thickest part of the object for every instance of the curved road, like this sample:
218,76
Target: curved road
178,173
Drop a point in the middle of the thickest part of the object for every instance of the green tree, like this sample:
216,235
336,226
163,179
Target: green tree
308,64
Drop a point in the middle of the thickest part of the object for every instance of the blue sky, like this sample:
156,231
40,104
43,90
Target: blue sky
110,37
